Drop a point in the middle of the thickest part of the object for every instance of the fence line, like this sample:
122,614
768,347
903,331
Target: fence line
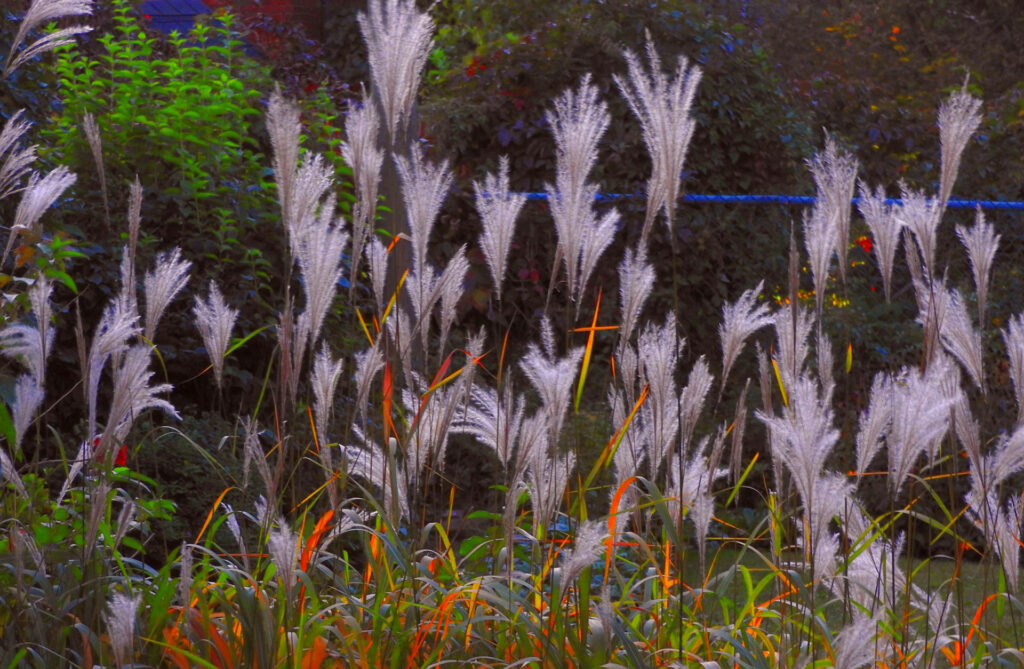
803,200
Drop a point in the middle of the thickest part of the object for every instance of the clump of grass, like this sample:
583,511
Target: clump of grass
366,569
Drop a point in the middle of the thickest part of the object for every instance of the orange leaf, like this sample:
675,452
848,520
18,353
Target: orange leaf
315,656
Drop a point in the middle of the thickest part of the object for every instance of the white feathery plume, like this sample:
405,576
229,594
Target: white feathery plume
920,419
629,456
494,420
803,436
547,478
424,187
820,241
793,343
401,334
319,249
9,472
591,539
1013,337
452,280
360,151
658,350
957,333
15,161
959,117
215,320
31,345
740,319
597,236
855,644
168,277
118,323
284,127
636,280
835,176
689,491
498,208
691,401
968,431
28,396
313,180
283,546
739,426
922,216
370,462
122,610
398,39
326,374
36,198
368,365
826,364
981,243
553,379
885,230
39,13
132,396
377,257
874,423
662,105
424,290
252,452
95,141
831,496
578,121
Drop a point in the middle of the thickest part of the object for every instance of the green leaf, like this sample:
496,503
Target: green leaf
63,277
7,426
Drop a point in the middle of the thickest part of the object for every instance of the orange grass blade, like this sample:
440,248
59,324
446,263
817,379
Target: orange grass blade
394,297
613,445
315,656
209,516
387,391
319,530
587,352
778,378
613,515
366,330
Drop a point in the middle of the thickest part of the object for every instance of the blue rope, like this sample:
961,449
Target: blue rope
794,199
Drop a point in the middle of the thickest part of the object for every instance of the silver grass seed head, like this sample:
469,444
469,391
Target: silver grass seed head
319,248
377,257
117,325
820,242
398,38
741,319
452,287
15,160
360,151
663,107
424,188
636,280
284,128
981,242
885,230
959,118
835,176
922,216
1013,338
326,374
39,194
161,285
498,207
41,12
120,617
215,320
28,397
591,538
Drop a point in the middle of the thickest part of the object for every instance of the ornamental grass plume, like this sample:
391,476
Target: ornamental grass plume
120,617
885,230
740,319
820,242
498,208
377,258
38,195
875,422
689,490
658,349
31,344
398,38
215,320
922,216
546,479
920,419
319,248
1013,337
636,280
424,187
95,141
553,378
39,13
161,285
981,242
578,120
15,160
691,401
663,107
117,325
835,176
285,128
360,151
959,337
326,374
591,539
959,118
494,418
133,394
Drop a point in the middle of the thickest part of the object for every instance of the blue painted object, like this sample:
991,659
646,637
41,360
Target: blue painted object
170,15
